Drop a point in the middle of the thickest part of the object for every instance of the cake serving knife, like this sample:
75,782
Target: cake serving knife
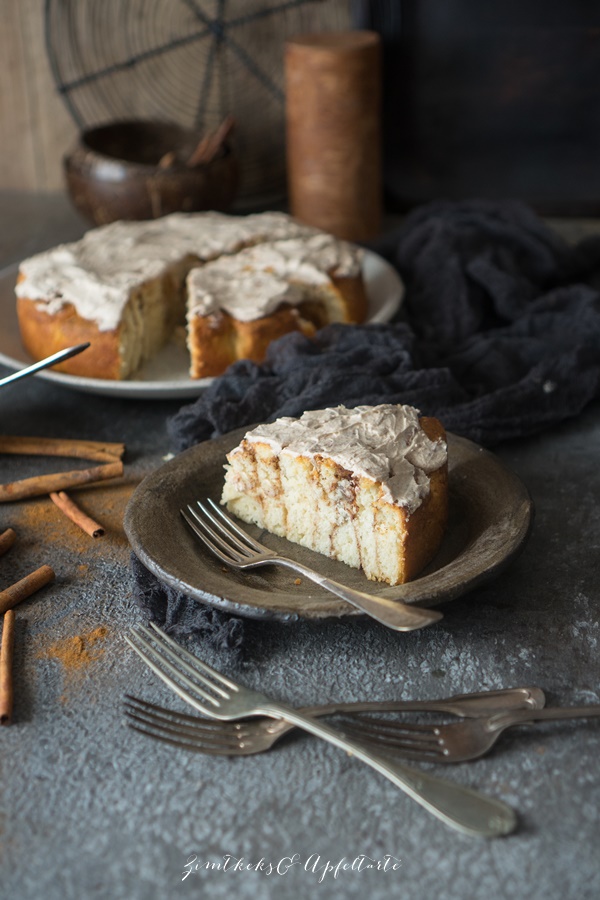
44,363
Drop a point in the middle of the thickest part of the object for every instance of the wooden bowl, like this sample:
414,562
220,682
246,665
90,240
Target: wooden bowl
138,170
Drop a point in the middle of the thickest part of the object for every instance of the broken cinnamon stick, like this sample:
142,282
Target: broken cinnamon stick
6,667
76,515
45,484
7,539
24,588
99,451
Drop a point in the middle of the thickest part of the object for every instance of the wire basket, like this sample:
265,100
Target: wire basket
191,62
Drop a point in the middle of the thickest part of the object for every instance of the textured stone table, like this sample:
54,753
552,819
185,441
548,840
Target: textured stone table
93,810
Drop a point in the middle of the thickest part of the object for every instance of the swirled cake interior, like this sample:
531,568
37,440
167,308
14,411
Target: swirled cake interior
366,486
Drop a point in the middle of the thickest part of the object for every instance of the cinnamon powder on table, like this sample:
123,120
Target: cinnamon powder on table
39,518
75,654
78,651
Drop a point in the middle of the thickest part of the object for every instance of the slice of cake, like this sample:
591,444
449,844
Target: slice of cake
238,304
367,486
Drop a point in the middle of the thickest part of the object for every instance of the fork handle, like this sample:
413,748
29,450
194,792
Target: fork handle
553,714
457,806
393,613
468,706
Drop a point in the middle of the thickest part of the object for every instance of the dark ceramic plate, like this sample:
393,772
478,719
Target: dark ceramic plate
490,518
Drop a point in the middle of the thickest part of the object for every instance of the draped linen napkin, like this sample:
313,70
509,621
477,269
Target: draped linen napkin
498,336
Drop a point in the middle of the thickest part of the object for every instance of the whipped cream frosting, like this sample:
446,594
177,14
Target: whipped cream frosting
97,273
258,280
384,443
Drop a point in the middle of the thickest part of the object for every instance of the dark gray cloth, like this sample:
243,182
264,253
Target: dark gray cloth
183,616
499,336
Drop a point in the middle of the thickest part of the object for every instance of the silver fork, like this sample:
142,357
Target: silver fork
218,697
189,732
462,741
234,546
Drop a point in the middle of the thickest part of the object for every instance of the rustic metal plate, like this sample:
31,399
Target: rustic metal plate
491,515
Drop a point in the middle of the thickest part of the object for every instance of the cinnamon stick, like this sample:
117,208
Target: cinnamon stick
198,157
166,161
210,145
45,484
99,451
24,588
6,666
7,539
76,515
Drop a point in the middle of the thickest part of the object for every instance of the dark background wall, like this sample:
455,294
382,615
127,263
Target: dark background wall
491,98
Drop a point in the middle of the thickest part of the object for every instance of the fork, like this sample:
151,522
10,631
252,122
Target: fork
191,732
218,697
234,546
465,740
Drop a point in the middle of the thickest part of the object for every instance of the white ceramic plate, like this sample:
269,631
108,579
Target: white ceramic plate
167,375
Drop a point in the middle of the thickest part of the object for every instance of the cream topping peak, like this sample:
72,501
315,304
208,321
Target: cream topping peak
254,282
384,443
97,273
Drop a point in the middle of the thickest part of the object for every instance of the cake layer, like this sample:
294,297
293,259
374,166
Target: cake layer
366,486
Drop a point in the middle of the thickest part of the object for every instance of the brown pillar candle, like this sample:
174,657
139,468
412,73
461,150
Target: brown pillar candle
333,111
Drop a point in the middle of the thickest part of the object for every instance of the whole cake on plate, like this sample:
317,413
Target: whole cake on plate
242,280
367,486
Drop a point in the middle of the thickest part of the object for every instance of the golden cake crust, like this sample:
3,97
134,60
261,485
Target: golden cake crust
43,334
217,340
426,526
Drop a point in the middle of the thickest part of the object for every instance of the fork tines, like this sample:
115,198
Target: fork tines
417,741
180,729
220,533
173,664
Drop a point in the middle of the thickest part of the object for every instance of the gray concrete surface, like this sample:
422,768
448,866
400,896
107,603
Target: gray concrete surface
92,810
